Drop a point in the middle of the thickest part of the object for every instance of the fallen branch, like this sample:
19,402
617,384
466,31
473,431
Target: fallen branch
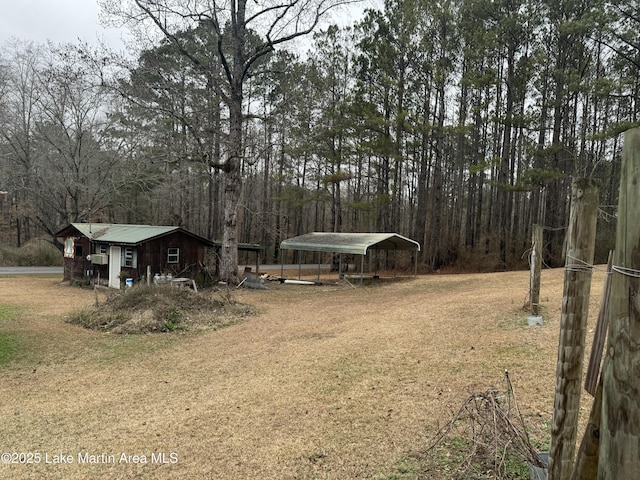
492,429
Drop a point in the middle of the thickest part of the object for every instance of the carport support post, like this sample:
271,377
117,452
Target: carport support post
581,238
395,262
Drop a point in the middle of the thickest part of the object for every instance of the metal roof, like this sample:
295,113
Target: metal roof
123,233
354,243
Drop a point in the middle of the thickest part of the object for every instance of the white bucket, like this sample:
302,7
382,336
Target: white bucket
534,320
128,282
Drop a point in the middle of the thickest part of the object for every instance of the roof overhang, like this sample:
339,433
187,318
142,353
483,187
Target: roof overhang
351,243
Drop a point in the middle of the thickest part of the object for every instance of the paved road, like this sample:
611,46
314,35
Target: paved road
30,270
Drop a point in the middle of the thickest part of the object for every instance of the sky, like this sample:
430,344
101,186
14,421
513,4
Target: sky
61,21
67,21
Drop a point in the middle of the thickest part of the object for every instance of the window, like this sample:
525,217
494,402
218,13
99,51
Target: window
129,257
78,250
173,255
101,249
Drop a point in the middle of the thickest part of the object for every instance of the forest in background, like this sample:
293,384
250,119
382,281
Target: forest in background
457,123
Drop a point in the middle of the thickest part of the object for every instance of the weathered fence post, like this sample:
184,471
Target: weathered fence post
600,335
573,326
620,429
536,268
586,467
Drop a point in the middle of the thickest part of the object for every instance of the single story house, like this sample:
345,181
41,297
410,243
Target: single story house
112,251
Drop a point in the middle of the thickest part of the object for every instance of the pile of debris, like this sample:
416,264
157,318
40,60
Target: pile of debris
486,438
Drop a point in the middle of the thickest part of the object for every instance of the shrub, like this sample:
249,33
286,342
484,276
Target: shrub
37,252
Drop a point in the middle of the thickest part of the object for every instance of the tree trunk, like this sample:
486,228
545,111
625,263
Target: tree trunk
504,197
434,258
423,180
233,167
232,187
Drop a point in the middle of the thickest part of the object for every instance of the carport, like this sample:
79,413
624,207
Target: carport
352,243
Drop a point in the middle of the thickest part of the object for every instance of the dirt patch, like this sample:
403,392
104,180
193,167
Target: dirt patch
327,382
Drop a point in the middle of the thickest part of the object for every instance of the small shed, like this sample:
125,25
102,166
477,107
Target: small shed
112,251
352,243
256,248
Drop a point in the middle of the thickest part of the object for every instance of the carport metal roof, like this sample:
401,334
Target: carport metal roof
353,243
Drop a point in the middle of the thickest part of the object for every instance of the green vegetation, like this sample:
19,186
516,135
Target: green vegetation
486,439
408,468
453,461
39,253
7,312
8,347
8,340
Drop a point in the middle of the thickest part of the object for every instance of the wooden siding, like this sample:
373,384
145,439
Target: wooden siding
152,253
76,267
155,253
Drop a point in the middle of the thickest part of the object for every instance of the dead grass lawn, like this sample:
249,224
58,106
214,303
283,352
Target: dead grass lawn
326,382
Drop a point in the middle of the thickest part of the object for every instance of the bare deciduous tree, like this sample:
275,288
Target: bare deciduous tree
231,22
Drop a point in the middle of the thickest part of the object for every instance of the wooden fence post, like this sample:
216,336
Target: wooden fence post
536,268
620,429
586,467
573,326
600,335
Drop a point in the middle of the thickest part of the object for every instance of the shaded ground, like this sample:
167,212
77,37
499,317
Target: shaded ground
326,382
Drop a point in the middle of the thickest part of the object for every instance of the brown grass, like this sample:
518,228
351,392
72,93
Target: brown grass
326,382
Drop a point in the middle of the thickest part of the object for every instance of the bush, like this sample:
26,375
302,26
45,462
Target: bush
40,253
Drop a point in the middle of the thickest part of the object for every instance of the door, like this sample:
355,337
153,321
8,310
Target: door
114,267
